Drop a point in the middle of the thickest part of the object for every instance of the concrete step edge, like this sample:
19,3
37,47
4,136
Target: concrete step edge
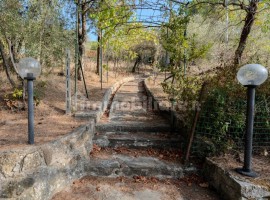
120,165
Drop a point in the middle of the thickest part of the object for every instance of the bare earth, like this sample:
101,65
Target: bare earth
51,121
136,188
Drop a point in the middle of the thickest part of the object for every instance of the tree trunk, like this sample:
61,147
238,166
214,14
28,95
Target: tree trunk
138,60
6,64
82,33
114,67
79,13
98,55
12,54
249,21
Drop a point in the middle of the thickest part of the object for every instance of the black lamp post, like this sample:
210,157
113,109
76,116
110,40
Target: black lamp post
250,76
29,69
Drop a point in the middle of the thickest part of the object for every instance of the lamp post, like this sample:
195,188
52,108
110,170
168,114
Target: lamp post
29,69
250,76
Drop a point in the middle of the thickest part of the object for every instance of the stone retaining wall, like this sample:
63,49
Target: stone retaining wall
108,94
231,186
164,106
38,171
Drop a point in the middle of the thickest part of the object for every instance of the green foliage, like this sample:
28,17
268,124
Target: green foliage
184,90
13,100
92,45
17,94
223,119
35,28
127,42
222,114
121,34
105,67
197,50
180,44
111,13
45,34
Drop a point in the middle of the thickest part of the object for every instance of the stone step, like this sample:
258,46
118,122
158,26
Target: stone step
91,114
128,89
131,97
138,140
137,116
133,126
157,134
131,108
138,83
121,165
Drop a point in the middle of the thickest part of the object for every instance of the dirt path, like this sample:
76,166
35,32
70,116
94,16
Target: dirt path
92,188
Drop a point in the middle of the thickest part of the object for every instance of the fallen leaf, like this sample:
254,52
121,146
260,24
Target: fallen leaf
122,179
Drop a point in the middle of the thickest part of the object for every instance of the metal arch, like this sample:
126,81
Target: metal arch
153,19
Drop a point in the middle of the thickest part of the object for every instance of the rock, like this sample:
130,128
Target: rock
37,172
17,168
32,161
122,165
9,163
231,186
47,153
190,169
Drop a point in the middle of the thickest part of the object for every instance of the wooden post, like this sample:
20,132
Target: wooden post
68,88
100,62
108,70
196,118
76,57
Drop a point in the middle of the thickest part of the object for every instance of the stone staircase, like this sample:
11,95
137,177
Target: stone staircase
135,155
133,126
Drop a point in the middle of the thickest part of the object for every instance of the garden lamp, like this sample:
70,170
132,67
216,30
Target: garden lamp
29,69
250,76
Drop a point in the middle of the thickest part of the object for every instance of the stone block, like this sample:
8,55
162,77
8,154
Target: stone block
231,186
37,172
10,162
32,161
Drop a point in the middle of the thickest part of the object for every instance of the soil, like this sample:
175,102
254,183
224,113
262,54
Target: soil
260,164
51,121
137,188
155,85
